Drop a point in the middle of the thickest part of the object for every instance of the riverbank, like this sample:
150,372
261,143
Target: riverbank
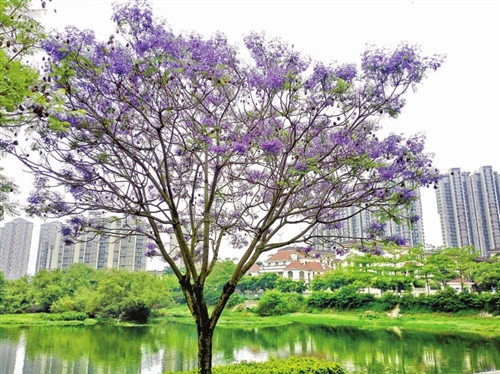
484,325
481,324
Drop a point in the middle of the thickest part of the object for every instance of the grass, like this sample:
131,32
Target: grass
31,319
365,320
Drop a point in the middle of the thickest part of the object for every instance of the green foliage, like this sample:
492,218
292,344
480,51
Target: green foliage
234,300
321,300
487,276
66,316
349,298
275,303
127,295
491,302
292,365
46,288
16,297
290,285
388,301
344,299
333,280
267,281
248,283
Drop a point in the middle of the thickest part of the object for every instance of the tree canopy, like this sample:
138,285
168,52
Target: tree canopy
213,149
20,33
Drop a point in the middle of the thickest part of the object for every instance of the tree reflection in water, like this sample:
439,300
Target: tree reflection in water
169,347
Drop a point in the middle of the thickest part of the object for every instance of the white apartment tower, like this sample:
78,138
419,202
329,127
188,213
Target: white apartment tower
469,209
97,251
354,228
15,248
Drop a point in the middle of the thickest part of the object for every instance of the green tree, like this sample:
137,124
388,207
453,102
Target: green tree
46,288
266,281
289,285
487,276
273,303
461,262
126,295
16,297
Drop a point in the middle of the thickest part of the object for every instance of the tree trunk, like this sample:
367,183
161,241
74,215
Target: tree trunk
205,335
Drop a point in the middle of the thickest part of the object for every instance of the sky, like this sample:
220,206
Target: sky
457,107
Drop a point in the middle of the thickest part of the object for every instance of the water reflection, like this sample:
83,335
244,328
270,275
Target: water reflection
168,347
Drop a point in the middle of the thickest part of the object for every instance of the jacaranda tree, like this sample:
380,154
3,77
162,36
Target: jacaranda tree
216,150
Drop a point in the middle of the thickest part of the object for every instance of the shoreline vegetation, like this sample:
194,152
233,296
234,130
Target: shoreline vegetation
369,320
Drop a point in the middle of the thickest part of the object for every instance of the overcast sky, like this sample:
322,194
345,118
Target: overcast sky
457,107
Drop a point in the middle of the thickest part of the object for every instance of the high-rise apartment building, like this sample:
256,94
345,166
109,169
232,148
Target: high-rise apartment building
355,227
469,209
94,250
15,248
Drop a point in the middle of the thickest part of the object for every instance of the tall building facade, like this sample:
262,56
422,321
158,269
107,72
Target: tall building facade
469,209
357,221
15,248
97,252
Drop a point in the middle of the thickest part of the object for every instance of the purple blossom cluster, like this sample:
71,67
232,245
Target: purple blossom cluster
404,62
151,250
375,230
273,146
346,72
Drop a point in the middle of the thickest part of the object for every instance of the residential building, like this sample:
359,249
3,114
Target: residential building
15,248
469,209
97,251
291,263
356,222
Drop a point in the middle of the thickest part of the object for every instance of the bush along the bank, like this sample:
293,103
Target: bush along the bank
293,365
276,303
445,301
66,316
346,298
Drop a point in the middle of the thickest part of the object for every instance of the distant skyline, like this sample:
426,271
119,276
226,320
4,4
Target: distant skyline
457,107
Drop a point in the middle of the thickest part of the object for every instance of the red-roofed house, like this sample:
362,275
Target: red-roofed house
291,263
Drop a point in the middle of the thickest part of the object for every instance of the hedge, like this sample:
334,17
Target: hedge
293,365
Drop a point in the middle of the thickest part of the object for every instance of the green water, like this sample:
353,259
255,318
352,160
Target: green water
167,347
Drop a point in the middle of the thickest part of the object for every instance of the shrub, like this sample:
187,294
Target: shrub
64,304
293,365
349,298
321,300
388,301
275,303
66,316
446,301
490,302
234,300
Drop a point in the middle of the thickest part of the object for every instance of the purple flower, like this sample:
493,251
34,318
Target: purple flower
415,218
398,240
273,146
240,148
66,231
76,221
151,250
346,72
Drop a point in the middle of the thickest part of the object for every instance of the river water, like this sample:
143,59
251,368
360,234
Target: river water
170,347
